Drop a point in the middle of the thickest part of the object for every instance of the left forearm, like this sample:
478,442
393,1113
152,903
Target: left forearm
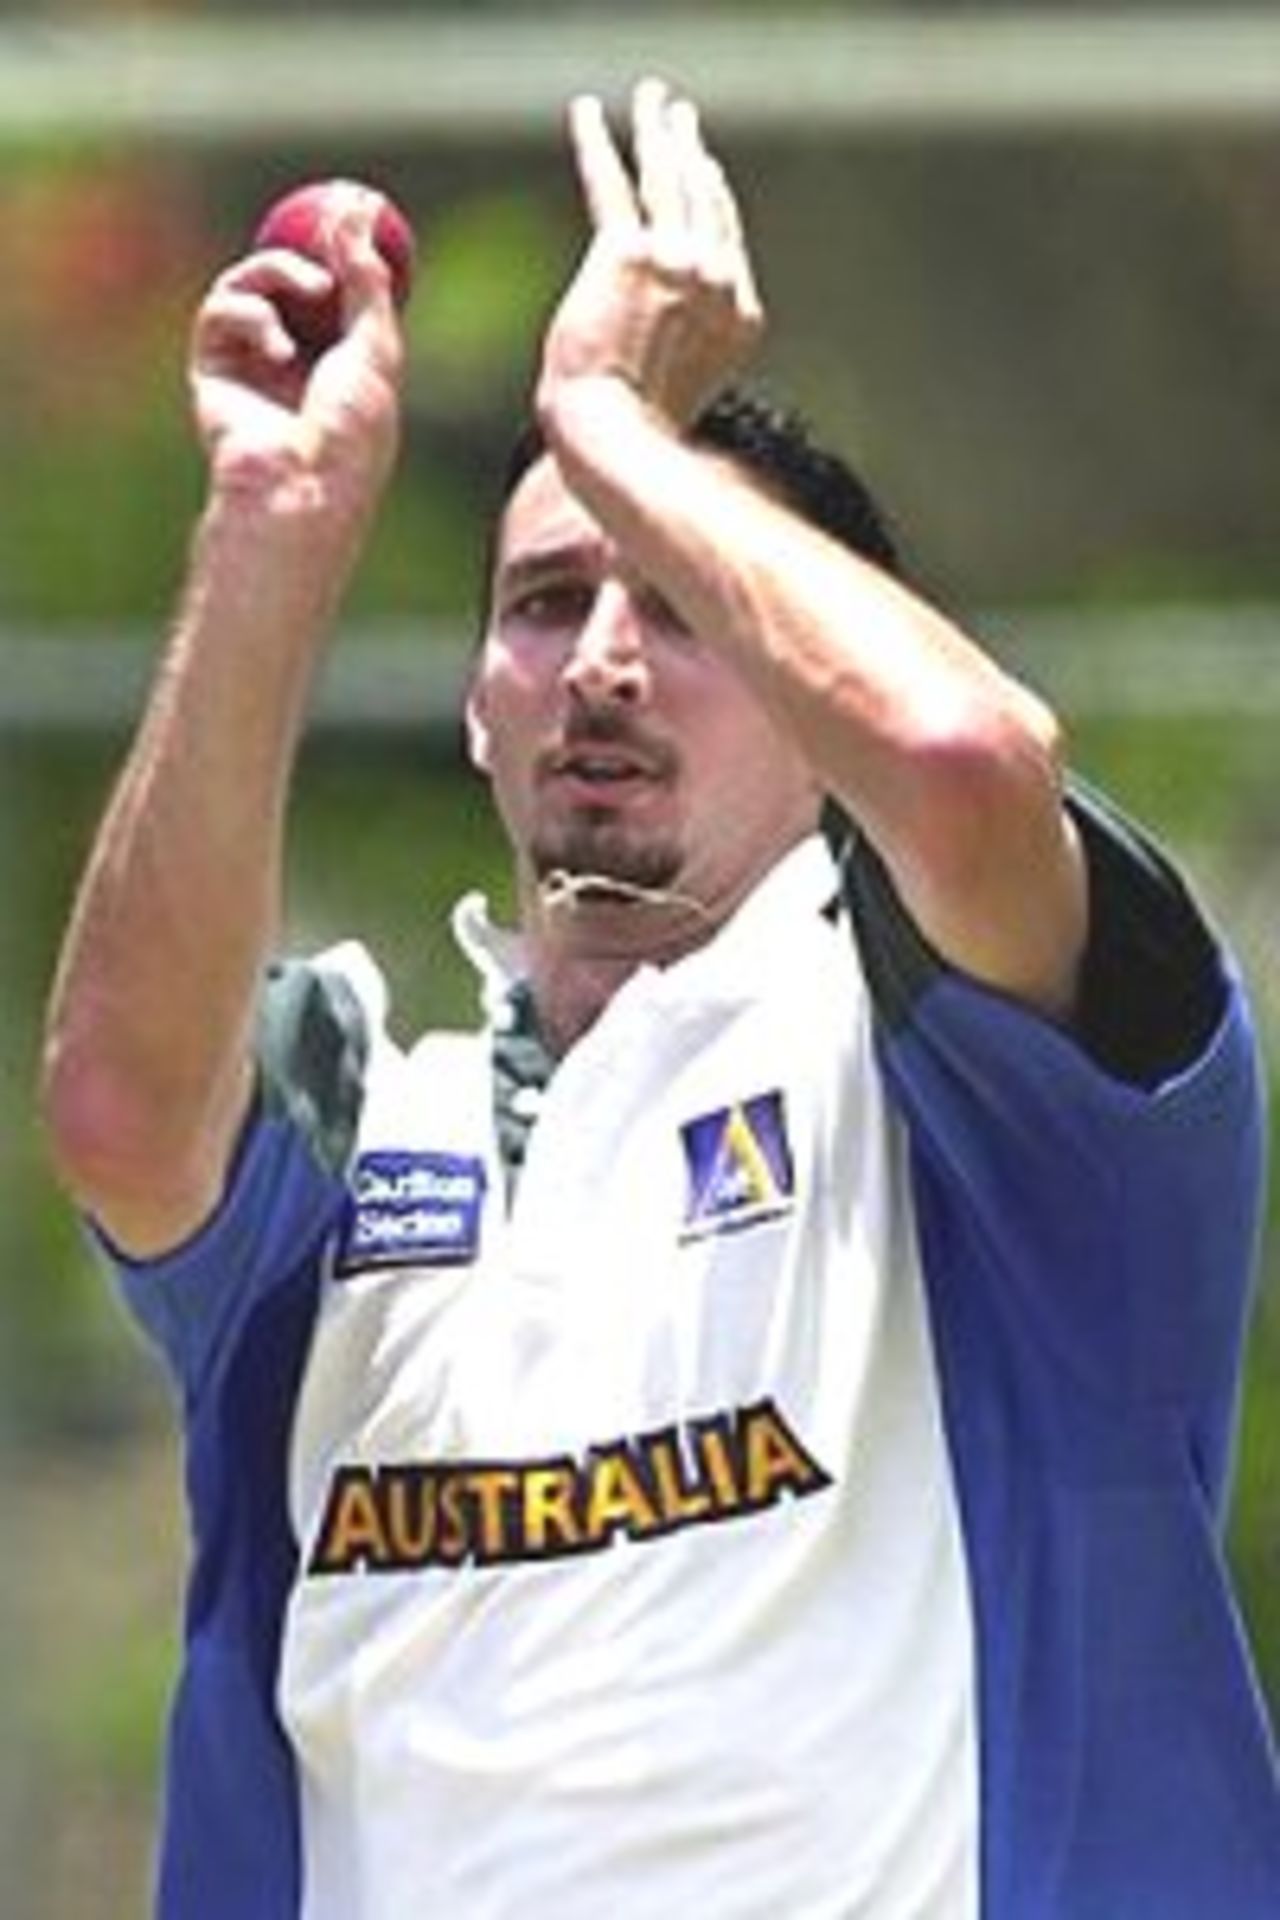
949,765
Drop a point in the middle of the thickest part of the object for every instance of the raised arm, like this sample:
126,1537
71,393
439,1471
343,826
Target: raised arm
147,1063
949,766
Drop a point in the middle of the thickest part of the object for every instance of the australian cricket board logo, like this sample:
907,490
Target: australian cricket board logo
738,1166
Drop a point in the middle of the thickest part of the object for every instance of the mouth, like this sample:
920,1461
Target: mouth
601,771
589,767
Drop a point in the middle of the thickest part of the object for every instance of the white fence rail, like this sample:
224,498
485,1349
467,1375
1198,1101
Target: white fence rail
1167,661
448,77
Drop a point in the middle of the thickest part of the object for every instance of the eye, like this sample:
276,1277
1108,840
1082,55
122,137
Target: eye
550,606
661,617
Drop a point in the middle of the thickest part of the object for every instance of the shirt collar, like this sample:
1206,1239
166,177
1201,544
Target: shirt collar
803,881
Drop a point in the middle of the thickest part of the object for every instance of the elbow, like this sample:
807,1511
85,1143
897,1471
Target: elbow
97,1140
123,1156
984,854
987,785
1011,754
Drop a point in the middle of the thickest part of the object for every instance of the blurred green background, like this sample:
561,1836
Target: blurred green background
1024,268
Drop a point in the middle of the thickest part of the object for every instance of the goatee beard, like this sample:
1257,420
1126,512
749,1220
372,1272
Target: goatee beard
598,848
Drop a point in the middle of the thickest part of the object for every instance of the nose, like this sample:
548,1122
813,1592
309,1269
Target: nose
608,662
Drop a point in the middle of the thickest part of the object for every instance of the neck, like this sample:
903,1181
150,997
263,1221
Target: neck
586,935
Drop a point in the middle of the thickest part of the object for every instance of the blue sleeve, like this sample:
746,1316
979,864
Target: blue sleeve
1100,1187
285,1185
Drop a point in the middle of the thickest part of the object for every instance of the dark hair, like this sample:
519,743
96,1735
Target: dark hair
773,444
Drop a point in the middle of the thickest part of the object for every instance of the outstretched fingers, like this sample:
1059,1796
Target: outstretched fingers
680,185
674,196
664,298
664,138
606,184
725,239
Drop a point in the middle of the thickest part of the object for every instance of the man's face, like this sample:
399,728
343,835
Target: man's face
618,743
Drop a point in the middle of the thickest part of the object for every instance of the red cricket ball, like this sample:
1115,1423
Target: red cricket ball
303,221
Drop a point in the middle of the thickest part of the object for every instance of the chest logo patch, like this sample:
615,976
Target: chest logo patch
411,1209
738,1165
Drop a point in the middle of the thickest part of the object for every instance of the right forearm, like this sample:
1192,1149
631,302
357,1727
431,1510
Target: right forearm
180,900
193,843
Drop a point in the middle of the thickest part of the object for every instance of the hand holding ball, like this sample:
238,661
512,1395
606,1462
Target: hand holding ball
304,221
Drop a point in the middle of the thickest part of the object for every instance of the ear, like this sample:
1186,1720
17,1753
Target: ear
477,729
